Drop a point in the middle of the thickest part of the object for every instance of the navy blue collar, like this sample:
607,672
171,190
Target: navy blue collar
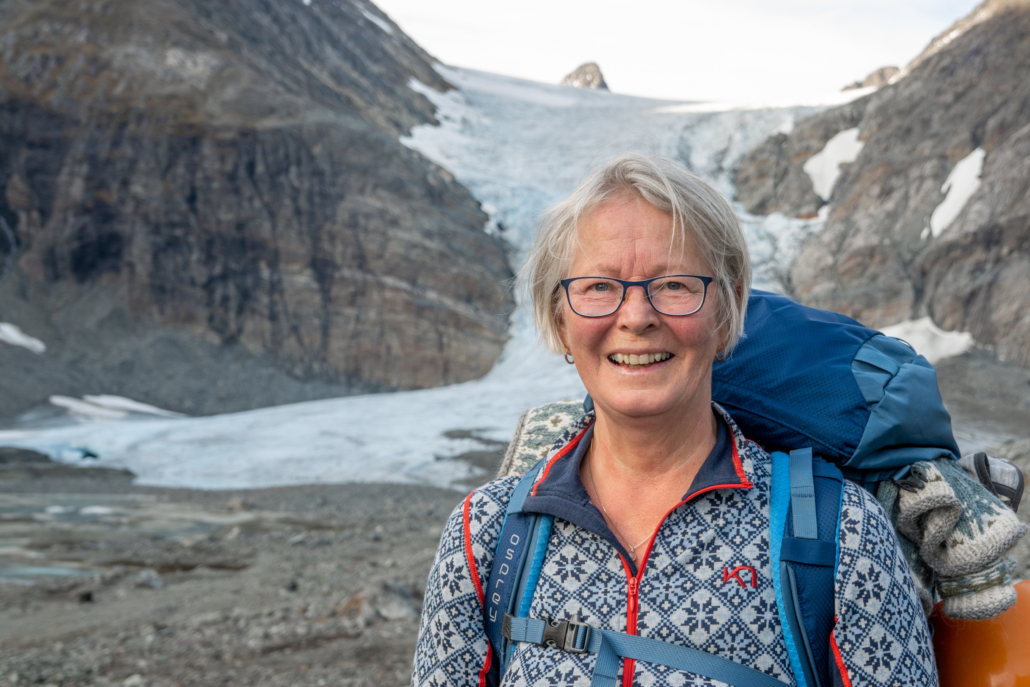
561,493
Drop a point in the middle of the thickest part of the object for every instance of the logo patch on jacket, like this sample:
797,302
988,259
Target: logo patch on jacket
734,575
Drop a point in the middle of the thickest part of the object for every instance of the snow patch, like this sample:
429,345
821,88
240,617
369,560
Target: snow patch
87,410
12,334
929,340
106,407
960,186
96,510
823,168
372,18
122,403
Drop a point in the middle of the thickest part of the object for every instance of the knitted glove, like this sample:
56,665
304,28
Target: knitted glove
960,531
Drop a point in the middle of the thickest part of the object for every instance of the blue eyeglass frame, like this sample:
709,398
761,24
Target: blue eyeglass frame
643,283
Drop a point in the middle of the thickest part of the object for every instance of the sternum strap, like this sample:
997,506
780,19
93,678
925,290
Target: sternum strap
609,646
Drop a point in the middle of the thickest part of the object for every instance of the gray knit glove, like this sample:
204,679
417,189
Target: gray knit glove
960,531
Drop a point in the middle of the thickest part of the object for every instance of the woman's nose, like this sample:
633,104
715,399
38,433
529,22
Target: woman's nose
636,312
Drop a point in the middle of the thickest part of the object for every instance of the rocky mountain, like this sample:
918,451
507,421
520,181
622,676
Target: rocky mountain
901,239
878,78
213,211
586,75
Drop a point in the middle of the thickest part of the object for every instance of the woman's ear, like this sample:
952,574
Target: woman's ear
558,317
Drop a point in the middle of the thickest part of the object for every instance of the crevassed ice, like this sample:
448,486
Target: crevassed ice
823,168
960,186
519,147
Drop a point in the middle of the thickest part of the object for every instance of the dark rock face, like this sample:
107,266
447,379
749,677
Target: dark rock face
876,79
771,178
229,175
587,75
876,258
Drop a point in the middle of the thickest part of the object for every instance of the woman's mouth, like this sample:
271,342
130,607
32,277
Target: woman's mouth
636,362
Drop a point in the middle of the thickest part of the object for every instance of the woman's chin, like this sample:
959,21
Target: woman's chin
642,404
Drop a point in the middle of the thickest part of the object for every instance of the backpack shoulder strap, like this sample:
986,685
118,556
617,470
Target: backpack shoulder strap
516,567
804,535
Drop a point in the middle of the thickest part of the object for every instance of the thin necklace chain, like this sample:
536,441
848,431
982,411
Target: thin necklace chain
632,549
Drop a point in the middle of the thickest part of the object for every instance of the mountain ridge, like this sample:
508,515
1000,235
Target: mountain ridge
877,259
229,177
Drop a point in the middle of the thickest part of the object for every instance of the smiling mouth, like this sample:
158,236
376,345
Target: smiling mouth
636,362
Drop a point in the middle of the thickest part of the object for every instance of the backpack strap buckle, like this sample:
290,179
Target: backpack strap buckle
572,636
567,635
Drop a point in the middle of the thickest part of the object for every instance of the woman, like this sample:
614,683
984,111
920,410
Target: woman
641,278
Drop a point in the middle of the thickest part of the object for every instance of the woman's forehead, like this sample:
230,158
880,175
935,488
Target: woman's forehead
632,234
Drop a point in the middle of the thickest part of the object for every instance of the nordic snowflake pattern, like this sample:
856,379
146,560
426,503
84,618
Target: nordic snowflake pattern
686,594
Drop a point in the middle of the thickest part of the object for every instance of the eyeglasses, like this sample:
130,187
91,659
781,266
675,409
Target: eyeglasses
675,294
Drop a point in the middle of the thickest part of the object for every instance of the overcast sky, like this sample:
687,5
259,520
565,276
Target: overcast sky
738,50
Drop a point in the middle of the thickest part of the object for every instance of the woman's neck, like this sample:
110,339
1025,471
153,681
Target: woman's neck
636,472
653,449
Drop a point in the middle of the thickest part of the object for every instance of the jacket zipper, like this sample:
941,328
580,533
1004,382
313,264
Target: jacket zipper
633,594
632,606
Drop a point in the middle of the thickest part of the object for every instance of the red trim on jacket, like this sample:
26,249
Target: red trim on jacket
474,571
738,466
632,608
486,666
469,556
845,678
633,593
563,451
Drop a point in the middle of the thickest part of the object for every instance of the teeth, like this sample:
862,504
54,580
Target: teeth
639,360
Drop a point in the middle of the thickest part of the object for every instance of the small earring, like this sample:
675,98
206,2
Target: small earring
569,360
720,356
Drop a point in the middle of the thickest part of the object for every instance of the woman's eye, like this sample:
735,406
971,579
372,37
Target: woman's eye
601,286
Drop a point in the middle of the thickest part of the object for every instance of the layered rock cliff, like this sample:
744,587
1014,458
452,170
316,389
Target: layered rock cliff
889,250
227,178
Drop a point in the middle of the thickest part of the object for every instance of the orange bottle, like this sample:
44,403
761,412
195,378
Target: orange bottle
985,653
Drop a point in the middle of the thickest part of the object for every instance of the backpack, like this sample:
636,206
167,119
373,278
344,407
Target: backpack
801,381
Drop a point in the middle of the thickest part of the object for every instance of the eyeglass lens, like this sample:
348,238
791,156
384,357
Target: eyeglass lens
675,295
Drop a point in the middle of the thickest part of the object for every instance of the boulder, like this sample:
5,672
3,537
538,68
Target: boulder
586,75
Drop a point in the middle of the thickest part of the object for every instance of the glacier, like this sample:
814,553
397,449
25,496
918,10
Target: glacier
518,146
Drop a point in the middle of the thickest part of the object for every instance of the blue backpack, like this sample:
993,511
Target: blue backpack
801,381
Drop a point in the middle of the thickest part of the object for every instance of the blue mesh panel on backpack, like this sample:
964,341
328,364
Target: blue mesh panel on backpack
789,384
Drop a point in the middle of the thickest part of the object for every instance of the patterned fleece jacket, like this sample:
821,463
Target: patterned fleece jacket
684,591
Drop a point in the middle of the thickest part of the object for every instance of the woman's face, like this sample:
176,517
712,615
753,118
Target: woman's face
628,238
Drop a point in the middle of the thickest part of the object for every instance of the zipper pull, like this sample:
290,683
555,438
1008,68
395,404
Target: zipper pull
632,601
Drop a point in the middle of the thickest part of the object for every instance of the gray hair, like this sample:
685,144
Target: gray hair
697,210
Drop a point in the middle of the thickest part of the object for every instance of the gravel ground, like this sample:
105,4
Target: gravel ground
312,585
291,586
